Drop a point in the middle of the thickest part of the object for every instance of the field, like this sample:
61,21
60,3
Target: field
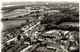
70,24
10,24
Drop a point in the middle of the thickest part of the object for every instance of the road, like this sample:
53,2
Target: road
14,39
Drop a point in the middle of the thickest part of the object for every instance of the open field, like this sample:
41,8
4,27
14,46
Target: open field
11,24
70,24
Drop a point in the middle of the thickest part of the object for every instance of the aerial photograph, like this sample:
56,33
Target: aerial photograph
40,27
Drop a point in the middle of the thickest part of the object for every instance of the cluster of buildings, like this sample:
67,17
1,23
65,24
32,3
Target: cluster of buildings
38,41
58,41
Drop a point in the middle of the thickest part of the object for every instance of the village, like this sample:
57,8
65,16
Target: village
37,33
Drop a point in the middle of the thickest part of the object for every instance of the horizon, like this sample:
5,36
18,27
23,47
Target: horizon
32,2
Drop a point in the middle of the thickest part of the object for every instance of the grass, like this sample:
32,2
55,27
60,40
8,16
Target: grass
10,24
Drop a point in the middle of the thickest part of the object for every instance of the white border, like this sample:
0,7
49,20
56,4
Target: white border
41,0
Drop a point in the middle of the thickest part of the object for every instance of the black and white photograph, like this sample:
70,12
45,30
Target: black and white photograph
40,26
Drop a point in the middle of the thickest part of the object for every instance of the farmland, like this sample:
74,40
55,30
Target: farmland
11,24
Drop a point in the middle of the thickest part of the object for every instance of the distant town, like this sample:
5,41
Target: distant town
40,27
